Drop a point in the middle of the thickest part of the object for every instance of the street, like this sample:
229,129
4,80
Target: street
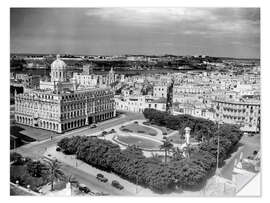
91,182
36,150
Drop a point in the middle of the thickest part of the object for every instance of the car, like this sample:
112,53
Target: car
101,178
117,185
58,149
84,189
93,126
112,131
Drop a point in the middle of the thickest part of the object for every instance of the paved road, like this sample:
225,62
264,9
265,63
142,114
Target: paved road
91,182
36,150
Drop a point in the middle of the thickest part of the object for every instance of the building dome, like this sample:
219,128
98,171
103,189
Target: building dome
58,70
58,63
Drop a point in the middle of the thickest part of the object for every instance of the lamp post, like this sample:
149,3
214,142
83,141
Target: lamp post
14,145
218,146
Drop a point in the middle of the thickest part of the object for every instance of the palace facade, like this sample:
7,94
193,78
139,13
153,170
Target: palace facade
63,109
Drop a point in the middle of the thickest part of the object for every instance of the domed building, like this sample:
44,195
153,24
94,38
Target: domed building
58,75
58,70
59,106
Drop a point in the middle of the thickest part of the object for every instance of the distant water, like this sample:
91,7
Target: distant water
46,72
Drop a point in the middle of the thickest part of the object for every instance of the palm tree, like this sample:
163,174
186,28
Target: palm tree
55,173
167,145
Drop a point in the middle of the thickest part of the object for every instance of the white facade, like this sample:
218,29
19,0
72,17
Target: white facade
138,104
86,80
160,91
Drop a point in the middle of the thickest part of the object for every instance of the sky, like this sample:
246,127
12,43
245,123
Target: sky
230,32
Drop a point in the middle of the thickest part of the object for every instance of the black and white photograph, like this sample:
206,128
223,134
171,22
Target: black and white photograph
135,101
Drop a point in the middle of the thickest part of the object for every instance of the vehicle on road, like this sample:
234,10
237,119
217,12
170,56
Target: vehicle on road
84,189
101,178
93,125
117,185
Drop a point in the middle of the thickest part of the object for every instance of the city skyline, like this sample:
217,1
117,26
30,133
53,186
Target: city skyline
228,32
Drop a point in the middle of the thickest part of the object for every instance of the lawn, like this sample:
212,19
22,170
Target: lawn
136,128
140,142
163,129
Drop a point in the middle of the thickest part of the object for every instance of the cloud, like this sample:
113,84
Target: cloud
142,16
193,20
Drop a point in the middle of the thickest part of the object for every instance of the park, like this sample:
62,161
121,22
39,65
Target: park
156,160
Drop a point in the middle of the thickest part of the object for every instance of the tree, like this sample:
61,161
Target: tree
166,146
36,168
55,173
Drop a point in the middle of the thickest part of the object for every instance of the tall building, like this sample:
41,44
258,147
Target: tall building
62,108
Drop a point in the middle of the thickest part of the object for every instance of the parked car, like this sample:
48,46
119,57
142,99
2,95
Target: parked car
101,178
93,126
58,149
112,131
84,189
117,185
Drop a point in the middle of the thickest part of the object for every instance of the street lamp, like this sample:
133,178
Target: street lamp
14,145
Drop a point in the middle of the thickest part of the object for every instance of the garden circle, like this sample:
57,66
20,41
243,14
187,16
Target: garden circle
143,143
